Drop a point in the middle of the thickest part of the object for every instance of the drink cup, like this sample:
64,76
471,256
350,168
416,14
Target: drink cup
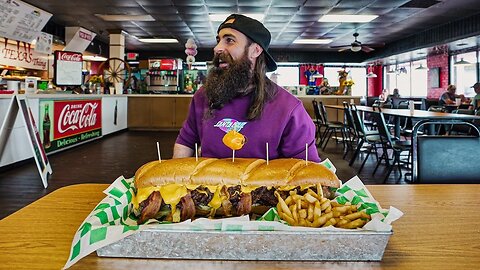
458,101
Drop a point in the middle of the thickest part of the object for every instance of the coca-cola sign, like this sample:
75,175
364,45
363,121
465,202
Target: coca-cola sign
69,56
76,116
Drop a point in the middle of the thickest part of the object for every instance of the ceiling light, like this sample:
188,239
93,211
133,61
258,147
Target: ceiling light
355,48
420,67
371,75
462,63
94,58
220,17
348,18
158,40
312,41
123,18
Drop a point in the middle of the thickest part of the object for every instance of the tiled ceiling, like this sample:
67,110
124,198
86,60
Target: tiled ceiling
286,19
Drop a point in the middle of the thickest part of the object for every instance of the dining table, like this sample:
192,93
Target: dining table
398,114
440,229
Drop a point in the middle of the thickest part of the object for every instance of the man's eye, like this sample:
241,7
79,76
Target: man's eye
230,40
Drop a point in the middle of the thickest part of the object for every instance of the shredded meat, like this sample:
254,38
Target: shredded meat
327,193
201,196
227,208
150,207
244,205
187,207
264,196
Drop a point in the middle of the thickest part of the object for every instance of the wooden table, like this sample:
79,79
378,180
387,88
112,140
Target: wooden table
440,230
417,114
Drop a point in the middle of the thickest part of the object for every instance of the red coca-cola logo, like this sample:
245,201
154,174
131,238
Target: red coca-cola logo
74,117
68,56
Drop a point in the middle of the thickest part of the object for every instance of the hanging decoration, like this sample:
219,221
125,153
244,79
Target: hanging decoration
191,51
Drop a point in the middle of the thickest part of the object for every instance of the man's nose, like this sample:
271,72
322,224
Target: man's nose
218,48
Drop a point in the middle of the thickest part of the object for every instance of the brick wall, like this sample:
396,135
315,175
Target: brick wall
437,59
375,85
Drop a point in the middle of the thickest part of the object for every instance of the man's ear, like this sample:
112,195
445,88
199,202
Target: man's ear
254,51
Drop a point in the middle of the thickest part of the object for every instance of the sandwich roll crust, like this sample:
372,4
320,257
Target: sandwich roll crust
211,187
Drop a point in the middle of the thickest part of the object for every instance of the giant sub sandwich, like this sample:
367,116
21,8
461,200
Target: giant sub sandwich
180,189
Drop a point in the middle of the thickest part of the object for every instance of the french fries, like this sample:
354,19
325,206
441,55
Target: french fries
313,210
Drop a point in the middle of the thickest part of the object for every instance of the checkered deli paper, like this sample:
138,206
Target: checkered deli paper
112,219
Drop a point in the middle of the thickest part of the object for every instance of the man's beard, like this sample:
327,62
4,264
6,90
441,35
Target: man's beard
223,85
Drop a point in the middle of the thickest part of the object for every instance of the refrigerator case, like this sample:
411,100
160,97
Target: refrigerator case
164,75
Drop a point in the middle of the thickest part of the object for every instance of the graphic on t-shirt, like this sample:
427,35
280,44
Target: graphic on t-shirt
228,124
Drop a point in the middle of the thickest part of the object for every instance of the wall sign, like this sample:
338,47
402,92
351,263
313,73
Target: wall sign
64,123
21,55
68,68
21,21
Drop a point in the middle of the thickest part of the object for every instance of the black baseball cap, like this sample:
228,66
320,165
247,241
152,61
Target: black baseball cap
476,85
254,30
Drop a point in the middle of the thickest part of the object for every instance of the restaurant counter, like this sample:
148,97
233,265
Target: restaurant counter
113,118
134,111
168,112
439,230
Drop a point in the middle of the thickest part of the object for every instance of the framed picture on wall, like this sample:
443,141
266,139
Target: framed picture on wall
434,77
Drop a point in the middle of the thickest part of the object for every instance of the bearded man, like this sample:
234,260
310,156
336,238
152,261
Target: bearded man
237,95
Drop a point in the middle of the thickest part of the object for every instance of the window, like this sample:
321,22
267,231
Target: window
286,75
465,75
419,78
357,74
410,78
359,77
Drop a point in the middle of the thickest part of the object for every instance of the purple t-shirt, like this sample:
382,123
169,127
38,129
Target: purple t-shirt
284,124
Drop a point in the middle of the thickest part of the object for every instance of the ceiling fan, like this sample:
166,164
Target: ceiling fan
356,46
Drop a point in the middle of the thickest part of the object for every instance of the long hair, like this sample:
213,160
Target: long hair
264,88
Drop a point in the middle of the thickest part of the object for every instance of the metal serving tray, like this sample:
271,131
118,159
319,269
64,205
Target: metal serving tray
251,245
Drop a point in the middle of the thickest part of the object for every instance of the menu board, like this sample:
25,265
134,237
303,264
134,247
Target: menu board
68,68
21,21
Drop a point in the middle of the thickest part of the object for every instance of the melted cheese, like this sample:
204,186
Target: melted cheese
217,199
249,189
172,193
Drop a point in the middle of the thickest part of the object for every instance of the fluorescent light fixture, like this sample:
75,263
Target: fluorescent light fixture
312,41
462,63
133,62
158,40
220,17
94,58
124,18
348,18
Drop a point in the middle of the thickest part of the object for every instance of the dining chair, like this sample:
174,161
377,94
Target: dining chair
369,137
390,143
460,129
445,159
318,121
330,128
351,134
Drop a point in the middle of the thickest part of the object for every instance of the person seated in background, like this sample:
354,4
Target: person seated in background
449,96
390,98
476,98
384,95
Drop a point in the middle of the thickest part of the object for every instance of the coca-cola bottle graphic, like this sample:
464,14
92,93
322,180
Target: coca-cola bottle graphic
115,113
46,128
